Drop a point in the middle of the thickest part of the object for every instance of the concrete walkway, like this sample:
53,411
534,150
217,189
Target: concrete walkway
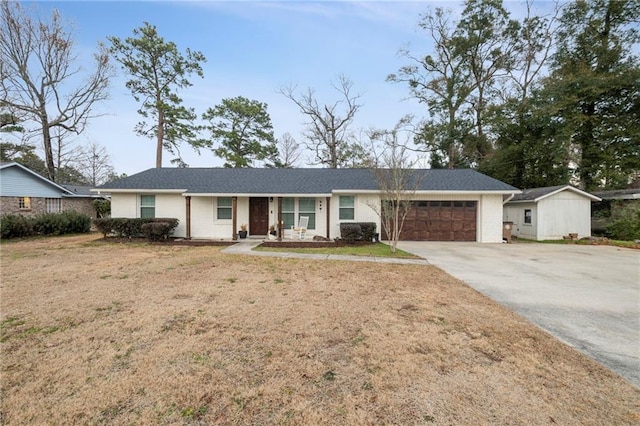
246,247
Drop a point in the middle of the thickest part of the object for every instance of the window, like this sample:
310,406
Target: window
307,207
224,210
527,216
296,207
24,203
54,205
147,206
347,210
288,212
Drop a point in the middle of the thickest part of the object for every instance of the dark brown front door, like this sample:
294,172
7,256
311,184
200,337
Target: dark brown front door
258,216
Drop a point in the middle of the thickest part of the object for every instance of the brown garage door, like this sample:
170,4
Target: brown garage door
440,221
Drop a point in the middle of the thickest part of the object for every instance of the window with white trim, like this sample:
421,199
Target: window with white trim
293,208
53,205
224,210
527,216
347,207
147,206
24,203
288,212
307,207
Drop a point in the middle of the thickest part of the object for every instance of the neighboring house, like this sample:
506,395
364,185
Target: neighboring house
212,203
614,205
25,192
550,213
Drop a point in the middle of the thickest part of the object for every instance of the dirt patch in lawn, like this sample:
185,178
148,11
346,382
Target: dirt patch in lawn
96,332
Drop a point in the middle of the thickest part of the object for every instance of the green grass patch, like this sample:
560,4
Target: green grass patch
375,250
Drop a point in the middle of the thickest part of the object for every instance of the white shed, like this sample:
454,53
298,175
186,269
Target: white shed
550,213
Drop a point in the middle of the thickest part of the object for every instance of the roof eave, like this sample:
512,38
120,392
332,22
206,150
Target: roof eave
569,188
237,194
137,191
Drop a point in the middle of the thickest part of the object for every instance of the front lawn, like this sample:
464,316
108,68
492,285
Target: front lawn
375,250
95,332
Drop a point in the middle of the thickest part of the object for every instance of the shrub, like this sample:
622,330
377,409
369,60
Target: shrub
131,227
350,232
368,230
79,223
625,228
156,231
357,231
51,224
16,226
70,222
103,207
104,225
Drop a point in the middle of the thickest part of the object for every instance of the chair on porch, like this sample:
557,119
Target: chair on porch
301,229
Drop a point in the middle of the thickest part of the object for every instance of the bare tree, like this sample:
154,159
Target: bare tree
397,181
327,132
95,164
288,152
40,80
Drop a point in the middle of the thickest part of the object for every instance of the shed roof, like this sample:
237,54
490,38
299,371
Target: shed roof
296,181
537,194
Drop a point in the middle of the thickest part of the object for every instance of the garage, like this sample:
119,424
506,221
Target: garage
440,221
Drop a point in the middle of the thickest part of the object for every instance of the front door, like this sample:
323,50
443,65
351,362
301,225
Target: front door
259,216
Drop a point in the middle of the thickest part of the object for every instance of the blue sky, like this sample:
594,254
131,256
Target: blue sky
252,49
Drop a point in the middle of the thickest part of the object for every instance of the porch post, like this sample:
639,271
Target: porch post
188,200
279,218
234,217
328,214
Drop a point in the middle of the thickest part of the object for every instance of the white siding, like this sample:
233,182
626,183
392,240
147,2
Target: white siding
364,205
515,213
563,213
124,205
552,217
172,205
490,219
204,223
167,205
203,219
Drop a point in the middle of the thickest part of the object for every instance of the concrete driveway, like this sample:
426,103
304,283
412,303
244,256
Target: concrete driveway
586,296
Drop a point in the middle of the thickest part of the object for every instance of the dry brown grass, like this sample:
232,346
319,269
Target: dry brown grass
96,333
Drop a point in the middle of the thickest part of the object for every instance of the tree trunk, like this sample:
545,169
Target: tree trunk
159,146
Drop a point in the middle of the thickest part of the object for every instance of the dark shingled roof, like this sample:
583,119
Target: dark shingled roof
294,181
535,193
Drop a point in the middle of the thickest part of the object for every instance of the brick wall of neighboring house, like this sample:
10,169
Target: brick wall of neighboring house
11,205
82,205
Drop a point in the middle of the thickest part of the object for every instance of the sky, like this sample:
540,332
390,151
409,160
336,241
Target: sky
253,48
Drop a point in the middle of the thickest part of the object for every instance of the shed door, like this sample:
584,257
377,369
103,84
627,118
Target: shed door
440,221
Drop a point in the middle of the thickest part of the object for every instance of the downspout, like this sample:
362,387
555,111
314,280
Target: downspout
188,200
234,218
508,199
279,218
327,212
